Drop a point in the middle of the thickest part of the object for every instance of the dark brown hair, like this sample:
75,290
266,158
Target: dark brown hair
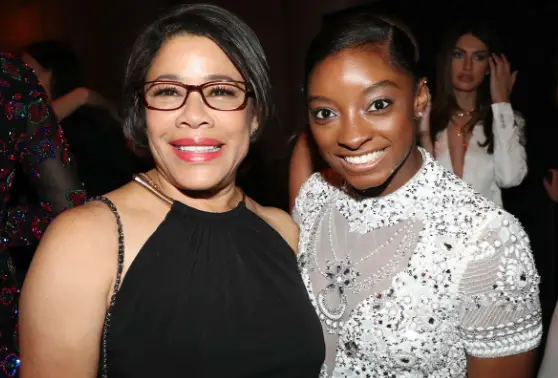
445,104
228,31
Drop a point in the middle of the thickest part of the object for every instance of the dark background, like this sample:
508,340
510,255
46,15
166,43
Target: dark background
102,32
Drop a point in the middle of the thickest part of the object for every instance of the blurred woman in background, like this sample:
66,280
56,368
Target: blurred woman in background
473,129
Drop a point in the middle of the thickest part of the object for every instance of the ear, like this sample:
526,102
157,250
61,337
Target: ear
422,96
254,125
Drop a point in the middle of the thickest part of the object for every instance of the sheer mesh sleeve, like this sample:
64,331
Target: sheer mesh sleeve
43,153
501,314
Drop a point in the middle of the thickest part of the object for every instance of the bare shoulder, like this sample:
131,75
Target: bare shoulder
78,236
83,222
280,220
87,232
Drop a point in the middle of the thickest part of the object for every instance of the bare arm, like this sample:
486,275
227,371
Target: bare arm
300,168
64,297
66,105
515,366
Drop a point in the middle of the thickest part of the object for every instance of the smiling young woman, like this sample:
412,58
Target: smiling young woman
412,273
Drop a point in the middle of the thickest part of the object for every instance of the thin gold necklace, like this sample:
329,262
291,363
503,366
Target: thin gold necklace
147,182
464,113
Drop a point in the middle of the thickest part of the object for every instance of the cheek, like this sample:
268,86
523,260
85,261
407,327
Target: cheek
402,128
158,123
325,137
456,65
480,69
232,125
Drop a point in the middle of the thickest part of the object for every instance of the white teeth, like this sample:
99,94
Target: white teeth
199,148
364,159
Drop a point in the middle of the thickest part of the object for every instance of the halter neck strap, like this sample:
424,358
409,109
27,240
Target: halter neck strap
145,181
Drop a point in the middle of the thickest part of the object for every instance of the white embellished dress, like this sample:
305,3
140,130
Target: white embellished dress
409,284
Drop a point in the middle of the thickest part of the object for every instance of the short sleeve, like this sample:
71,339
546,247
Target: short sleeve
311,196
296,216
501,313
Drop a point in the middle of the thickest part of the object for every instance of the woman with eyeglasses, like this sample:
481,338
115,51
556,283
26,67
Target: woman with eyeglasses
178,273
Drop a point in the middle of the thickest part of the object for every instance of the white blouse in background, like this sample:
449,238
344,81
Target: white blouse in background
409,284
488,173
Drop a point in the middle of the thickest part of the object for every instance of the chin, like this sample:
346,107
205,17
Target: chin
199,181
366,182
464,88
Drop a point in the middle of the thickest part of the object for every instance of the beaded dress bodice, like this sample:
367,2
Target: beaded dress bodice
409,284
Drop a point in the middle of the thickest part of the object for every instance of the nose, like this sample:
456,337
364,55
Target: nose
467,63
354,132
194,113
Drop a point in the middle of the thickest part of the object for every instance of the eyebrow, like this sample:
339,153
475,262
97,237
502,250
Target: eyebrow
474,51
381,84
373,87
213,77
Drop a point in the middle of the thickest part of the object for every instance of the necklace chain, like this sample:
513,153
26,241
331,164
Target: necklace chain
464,113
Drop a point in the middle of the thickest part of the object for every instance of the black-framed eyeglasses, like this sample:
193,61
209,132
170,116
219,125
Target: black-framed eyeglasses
217,95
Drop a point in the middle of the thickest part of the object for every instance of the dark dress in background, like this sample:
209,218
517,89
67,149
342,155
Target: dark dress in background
32,145
103,164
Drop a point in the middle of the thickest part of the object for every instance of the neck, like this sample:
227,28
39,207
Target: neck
465,100
214,200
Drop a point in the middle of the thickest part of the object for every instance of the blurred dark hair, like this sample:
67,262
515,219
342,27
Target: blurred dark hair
355,28
62,61
228,31
445,104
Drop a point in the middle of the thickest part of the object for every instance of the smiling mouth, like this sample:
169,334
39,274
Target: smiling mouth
198,149
369,158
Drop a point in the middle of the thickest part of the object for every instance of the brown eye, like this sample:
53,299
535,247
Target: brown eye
378,105
323,113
